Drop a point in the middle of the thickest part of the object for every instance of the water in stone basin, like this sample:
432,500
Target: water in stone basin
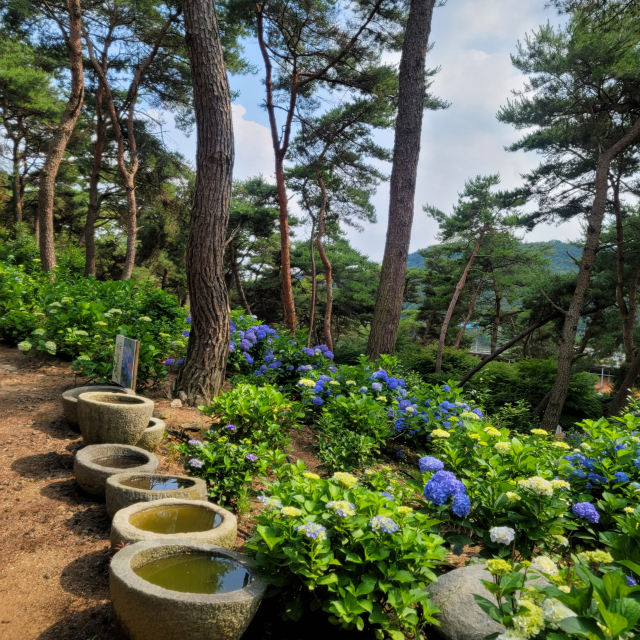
120,461
195,573
158,483
176,520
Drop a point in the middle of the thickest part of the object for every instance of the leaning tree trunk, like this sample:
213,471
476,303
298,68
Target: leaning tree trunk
454,301
203,372
326,265
570,329
93,212
406,152
58,144
467,320
425,335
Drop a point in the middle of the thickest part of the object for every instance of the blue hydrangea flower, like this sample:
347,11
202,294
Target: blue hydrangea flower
446,424
269,358
179,361
392,383
248,358
317,401
429,463
270,503
275,365
308,352
313,530
636,462
388,496
245,344
196,463
400,424
328,354
231,427
442,486
186,333
261,335
305,367
586,511
399,454
446,388
362,389
169,361
461,505
620,446
594,477
631,582
251,457
232,347
376,386
621,477
250,335
195,443
478,413
384,524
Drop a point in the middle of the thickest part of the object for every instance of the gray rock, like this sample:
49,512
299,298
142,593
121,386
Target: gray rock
123,529
120,496
152,436
145,611
460,616
70,400
92,477
113,417
176,403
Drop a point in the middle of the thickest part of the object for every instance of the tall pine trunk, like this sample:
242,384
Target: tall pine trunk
93,212
58,144
425,335
326,265
570,329
236,277
18,191
467,320
203,372
314,283
454,301
406,152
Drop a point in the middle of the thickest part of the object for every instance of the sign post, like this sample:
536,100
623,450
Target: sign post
125,362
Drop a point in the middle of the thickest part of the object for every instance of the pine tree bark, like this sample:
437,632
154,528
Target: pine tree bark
454,301
425,335
93,212
467,320
622,396
406,153
18,190
326,264
594,227
314,282
58,144
203,372
497,319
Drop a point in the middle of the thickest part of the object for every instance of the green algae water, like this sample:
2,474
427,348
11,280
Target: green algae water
176,520
158,483
120,462
195,573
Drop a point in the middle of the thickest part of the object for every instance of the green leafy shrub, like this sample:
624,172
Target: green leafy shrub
360,556
262,414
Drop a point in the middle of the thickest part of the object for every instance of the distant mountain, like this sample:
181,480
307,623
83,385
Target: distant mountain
560,261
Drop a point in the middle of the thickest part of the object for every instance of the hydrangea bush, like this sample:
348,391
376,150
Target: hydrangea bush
361,557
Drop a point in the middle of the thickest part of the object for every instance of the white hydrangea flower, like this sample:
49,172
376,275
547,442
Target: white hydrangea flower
50,346
24,346
502,535
554,612
545,565
537,485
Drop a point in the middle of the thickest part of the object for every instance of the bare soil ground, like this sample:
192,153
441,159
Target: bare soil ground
54,539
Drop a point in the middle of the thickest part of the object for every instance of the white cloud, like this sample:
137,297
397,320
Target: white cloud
253,148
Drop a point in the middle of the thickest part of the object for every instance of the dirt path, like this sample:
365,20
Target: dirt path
54,540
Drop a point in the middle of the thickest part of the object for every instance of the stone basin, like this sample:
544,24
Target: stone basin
152,436
146,611
70,401
113,417
94,464
171,519
125,489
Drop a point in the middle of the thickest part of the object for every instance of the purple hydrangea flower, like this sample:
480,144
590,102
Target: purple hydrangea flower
169,361
231,427
251,457
328,354
586,511
180,361
317,401
399,454
429,463
478,413
195,443
188,321
381,374
631,582
388,496
269,358
232,347
307,351
248,358
384,524
196,463
245,344
442,486
250,335
186,333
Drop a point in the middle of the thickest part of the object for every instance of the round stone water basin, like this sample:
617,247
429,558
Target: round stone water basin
169,519
70,400
94,464
113,417
152,436
126,489
182,589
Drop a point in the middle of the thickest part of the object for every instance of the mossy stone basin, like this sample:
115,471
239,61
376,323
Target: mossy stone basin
125,489
170,519
152,436
70,401
113,418
182,590
92,465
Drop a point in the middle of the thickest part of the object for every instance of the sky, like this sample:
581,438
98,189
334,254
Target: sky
472,43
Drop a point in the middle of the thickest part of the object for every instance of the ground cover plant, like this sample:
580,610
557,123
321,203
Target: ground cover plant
79,318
